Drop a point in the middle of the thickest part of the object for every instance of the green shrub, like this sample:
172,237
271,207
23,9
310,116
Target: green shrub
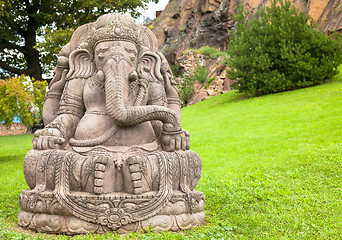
209,82
280,49
210,52
21,97
186,85
201,73
186,89
176,70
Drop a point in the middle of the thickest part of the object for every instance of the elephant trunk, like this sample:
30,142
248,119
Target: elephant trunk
116,86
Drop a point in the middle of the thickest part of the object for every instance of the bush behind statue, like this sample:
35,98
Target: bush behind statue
280,49
21,97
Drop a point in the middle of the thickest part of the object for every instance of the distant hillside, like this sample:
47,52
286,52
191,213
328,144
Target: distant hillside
188,24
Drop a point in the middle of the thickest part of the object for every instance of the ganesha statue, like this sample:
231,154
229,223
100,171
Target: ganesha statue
113,155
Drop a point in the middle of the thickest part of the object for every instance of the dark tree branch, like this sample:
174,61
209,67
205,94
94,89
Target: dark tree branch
12,69
21,32
28,6
12,46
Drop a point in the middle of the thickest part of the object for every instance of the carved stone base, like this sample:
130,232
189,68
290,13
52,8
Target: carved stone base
71,225
42,212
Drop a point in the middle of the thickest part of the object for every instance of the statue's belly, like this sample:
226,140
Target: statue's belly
92,125
95,125
135,135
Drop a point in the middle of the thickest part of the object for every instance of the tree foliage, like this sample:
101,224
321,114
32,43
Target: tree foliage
24,22
21,97
280,49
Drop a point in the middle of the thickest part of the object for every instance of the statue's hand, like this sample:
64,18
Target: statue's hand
172,141
47,138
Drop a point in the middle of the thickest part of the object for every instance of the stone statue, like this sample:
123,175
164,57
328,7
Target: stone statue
112,155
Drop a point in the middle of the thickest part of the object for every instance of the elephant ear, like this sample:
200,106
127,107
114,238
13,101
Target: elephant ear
80,64
149,39
149,67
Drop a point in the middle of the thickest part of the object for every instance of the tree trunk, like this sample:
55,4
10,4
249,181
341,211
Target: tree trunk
34,69
32,55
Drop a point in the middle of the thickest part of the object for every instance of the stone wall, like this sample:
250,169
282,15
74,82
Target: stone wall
16,128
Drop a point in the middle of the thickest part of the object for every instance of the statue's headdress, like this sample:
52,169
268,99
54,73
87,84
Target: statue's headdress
115,27
112,26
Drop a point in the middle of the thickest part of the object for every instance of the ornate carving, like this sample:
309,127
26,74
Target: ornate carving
115,157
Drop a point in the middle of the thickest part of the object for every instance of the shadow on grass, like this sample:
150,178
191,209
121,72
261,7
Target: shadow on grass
9,158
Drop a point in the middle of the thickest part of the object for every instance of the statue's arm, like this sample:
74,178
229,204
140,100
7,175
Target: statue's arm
56,86
53,96
63,127
173,140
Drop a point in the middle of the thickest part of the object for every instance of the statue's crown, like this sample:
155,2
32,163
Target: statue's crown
115,27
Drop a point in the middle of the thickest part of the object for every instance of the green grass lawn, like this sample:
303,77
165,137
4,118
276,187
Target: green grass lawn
272,167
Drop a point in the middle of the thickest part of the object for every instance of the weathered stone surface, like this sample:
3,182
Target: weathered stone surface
113,155
331,18
190,24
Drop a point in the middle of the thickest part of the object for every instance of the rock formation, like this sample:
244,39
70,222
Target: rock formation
191,24
188,24
331,17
